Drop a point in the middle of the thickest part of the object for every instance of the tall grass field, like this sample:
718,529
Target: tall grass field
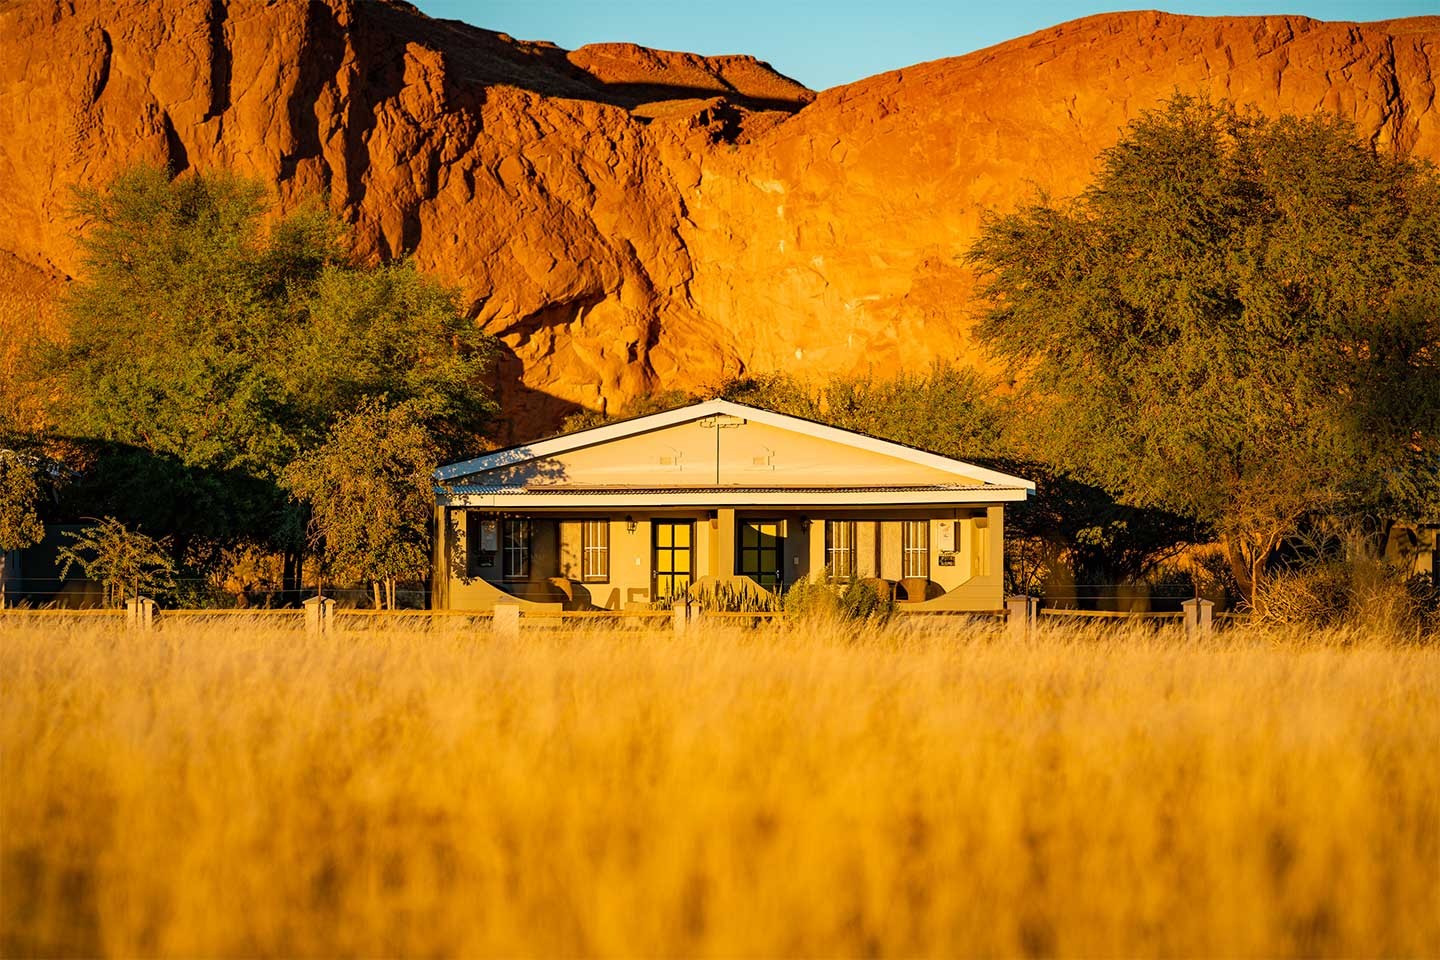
797,790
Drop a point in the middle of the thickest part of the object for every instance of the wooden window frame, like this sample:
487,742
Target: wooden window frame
601,550
525,547
909,549
850,549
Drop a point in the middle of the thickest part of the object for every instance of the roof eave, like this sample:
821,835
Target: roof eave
519,500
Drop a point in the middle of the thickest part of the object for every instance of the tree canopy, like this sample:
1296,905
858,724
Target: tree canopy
125,562
20,524
1238,321
370,491
214,340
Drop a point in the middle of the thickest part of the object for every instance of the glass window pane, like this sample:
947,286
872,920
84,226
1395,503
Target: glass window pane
682,535
662,534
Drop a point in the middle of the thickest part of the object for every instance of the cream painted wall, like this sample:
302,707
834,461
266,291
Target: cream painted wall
750,455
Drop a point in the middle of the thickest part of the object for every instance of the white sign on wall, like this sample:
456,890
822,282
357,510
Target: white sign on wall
945,535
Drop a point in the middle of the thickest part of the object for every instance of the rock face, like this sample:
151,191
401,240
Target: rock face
627,219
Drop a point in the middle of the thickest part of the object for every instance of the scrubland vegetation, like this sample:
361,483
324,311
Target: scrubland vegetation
913,789
1229,338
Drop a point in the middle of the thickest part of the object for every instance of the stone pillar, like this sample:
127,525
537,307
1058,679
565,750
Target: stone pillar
319,614
680,616
1021,614
1199,619
140,613
506,625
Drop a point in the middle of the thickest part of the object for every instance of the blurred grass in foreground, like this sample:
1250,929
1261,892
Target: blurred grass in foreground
241,790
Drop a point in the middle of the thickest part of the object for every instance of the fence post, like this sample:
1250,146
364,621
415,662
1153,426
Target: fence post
319,614
1199,618
1021,614
680,615
140,613
506,624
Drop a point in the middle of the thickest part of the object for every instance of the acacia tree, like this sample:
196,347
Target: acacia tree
124,562
214,338
20,524
1237,321
369,489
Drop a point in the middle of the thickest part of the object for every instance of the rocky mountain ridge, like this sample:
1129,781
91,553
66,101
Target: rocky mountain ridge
627,219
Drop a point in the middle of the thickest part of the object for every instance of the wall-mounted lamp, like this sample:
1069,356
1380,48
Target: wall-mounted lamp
804,522
629,523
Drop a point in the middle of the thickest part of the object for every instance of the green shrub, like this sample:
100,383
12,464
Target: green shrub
853,600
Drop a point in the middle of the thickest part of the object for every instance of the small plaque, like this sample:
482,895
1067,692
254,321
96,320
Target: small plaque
946,560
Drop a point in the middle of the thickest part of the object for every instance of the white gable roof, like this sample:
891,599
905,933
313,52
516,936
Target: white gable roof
710,408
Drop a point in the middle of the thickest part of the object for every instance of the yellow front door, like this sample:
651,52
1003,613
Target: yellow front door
674,560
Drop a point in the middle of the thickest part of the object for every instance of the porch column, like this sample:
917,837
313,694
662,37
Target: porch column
440,562
817,549
726,537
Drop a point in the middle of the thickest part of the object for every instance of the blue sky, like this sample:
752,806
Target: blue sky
825,42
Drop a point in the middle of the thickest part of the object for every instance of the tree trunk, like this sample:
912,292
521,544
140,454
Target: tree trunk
375,590
289,573
1257,574
4,571
1240,567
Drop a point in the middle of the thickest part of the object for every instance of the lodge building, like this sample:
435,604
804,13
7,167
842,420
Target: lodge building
641,511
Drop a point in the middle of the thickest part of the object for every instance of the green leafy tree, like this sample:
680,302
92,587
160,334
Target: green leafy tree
389,331
214,340
1237,322
20,524
947,409
370,493
125,562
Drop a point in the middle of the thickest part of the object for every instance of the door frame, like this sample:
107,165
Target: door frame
655,548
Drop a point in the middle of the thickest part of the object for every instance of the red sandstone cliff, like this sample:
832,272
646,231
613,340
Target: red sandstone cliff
624,218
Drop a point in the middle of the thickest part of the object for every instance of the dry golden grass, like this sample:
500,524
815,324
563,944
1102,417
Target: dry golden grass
229,791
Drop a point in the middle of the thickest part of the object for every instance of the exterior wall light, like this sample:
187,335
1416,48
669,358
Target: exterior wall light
629,523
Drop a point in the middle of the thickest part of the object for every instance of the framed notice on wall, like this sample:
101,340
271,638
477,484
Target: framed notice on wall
489,535
945,536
